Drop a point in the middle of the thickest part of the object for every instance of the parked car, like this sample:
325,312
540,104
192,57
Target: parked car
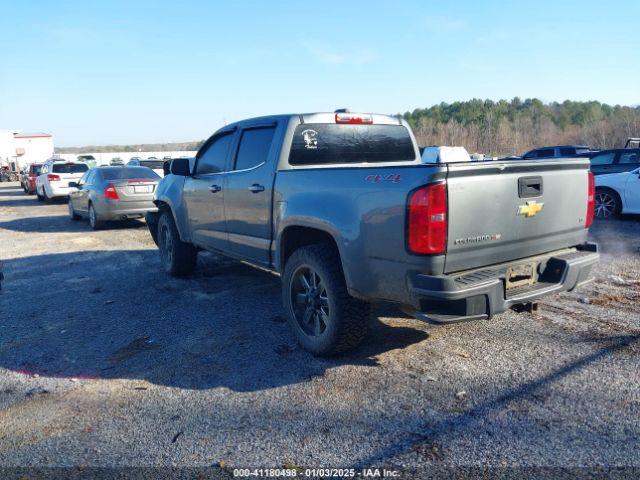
28,178
155,165
342,207
116,162
55,176
618,193
615,160
113,193
558,151
88,159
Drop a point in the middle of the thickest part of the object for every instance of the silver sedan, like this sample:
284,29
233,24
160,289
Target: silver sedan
113,193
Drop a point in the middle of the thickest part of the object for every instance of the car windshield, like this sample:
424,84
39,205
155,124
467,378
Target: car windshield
152,163
129,173
69,168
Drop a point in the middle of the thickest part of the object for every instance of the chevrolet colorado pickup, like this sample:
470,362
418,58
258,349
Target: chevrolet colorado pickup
344,209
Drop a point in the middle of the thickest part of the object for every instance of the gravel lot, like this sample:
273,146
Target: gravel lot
105,361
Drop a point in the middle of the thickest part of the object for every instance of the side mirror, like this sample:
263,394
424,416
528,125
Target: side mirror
74,185
180,166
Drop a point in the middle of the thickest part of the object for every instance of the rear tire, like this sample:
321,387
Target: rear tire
178,258
94,221
608,203
47,198
324,318
40,197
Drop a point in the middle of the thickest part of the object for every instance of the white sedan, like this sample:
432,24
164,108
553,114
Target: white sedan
618,193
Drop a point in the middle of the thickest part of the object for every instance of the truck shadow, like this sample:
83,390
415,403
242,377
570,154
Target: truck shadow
478,415
114,314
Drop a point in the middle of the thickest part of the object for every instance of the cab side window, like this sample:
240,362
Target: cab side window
545,153
254,147
214,158
567,151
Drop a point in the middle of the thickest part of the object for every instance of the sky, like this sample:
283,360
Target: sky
120,72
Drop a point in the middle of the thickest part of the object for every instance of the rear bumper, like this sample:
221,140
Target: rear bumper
117,210
58,190
481,293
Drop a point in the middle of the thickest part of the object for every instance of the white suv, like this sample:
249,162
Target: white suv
55,176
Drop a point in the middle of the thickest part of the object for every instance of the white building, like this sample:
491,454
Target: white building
22,149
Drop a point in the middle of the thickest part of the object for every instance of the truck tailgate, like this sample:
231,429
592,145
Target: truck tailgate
503,211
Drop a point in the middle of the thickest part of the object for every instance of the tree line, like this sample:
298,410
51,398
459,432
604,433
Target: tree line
497,128
513,127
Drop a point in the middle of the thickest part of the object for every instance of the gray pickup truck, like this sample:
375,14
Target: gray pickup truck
342,206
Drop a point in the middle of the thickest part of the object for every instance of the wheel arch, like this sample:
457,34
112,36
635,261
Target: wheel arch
296,236
607,188
165,206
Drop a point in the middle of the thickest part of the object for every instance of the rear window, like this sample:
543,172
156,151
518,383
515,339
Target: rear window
36,170
152,163
129,173
327,143
69,168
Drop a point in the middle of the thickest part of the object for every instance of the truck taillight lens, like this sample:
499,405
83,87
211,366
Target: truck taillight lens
427,226
591,201
53,178
110,192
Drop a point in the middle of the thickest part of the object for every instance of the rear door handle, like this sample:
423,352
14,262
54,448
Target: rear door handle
255,188
215,188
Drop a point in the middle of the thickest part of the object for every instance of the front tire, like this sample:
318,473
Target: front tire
608,203
178,258
323,316
72,212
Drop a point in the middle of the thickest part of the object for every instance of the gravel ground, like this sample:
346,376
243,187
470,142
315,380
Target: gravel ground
105,361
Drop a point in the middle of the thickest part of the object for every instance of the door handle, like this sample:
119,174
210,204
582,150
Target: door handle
255,188
215,188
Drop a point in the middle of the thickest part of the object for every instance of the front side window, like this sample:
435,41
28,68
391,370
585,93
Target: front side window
603,159
213,159
567,151
328,143
545,153
628,157
85,178
254,147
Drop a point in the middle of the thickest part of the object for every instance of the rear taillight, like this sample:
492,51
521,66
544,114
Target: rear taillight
353,118
53,178
110,192
591,201
427,226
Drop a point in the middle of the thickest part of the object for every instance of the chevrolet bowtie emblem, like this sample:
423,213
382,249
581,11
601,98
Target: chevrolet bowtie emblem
531,209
